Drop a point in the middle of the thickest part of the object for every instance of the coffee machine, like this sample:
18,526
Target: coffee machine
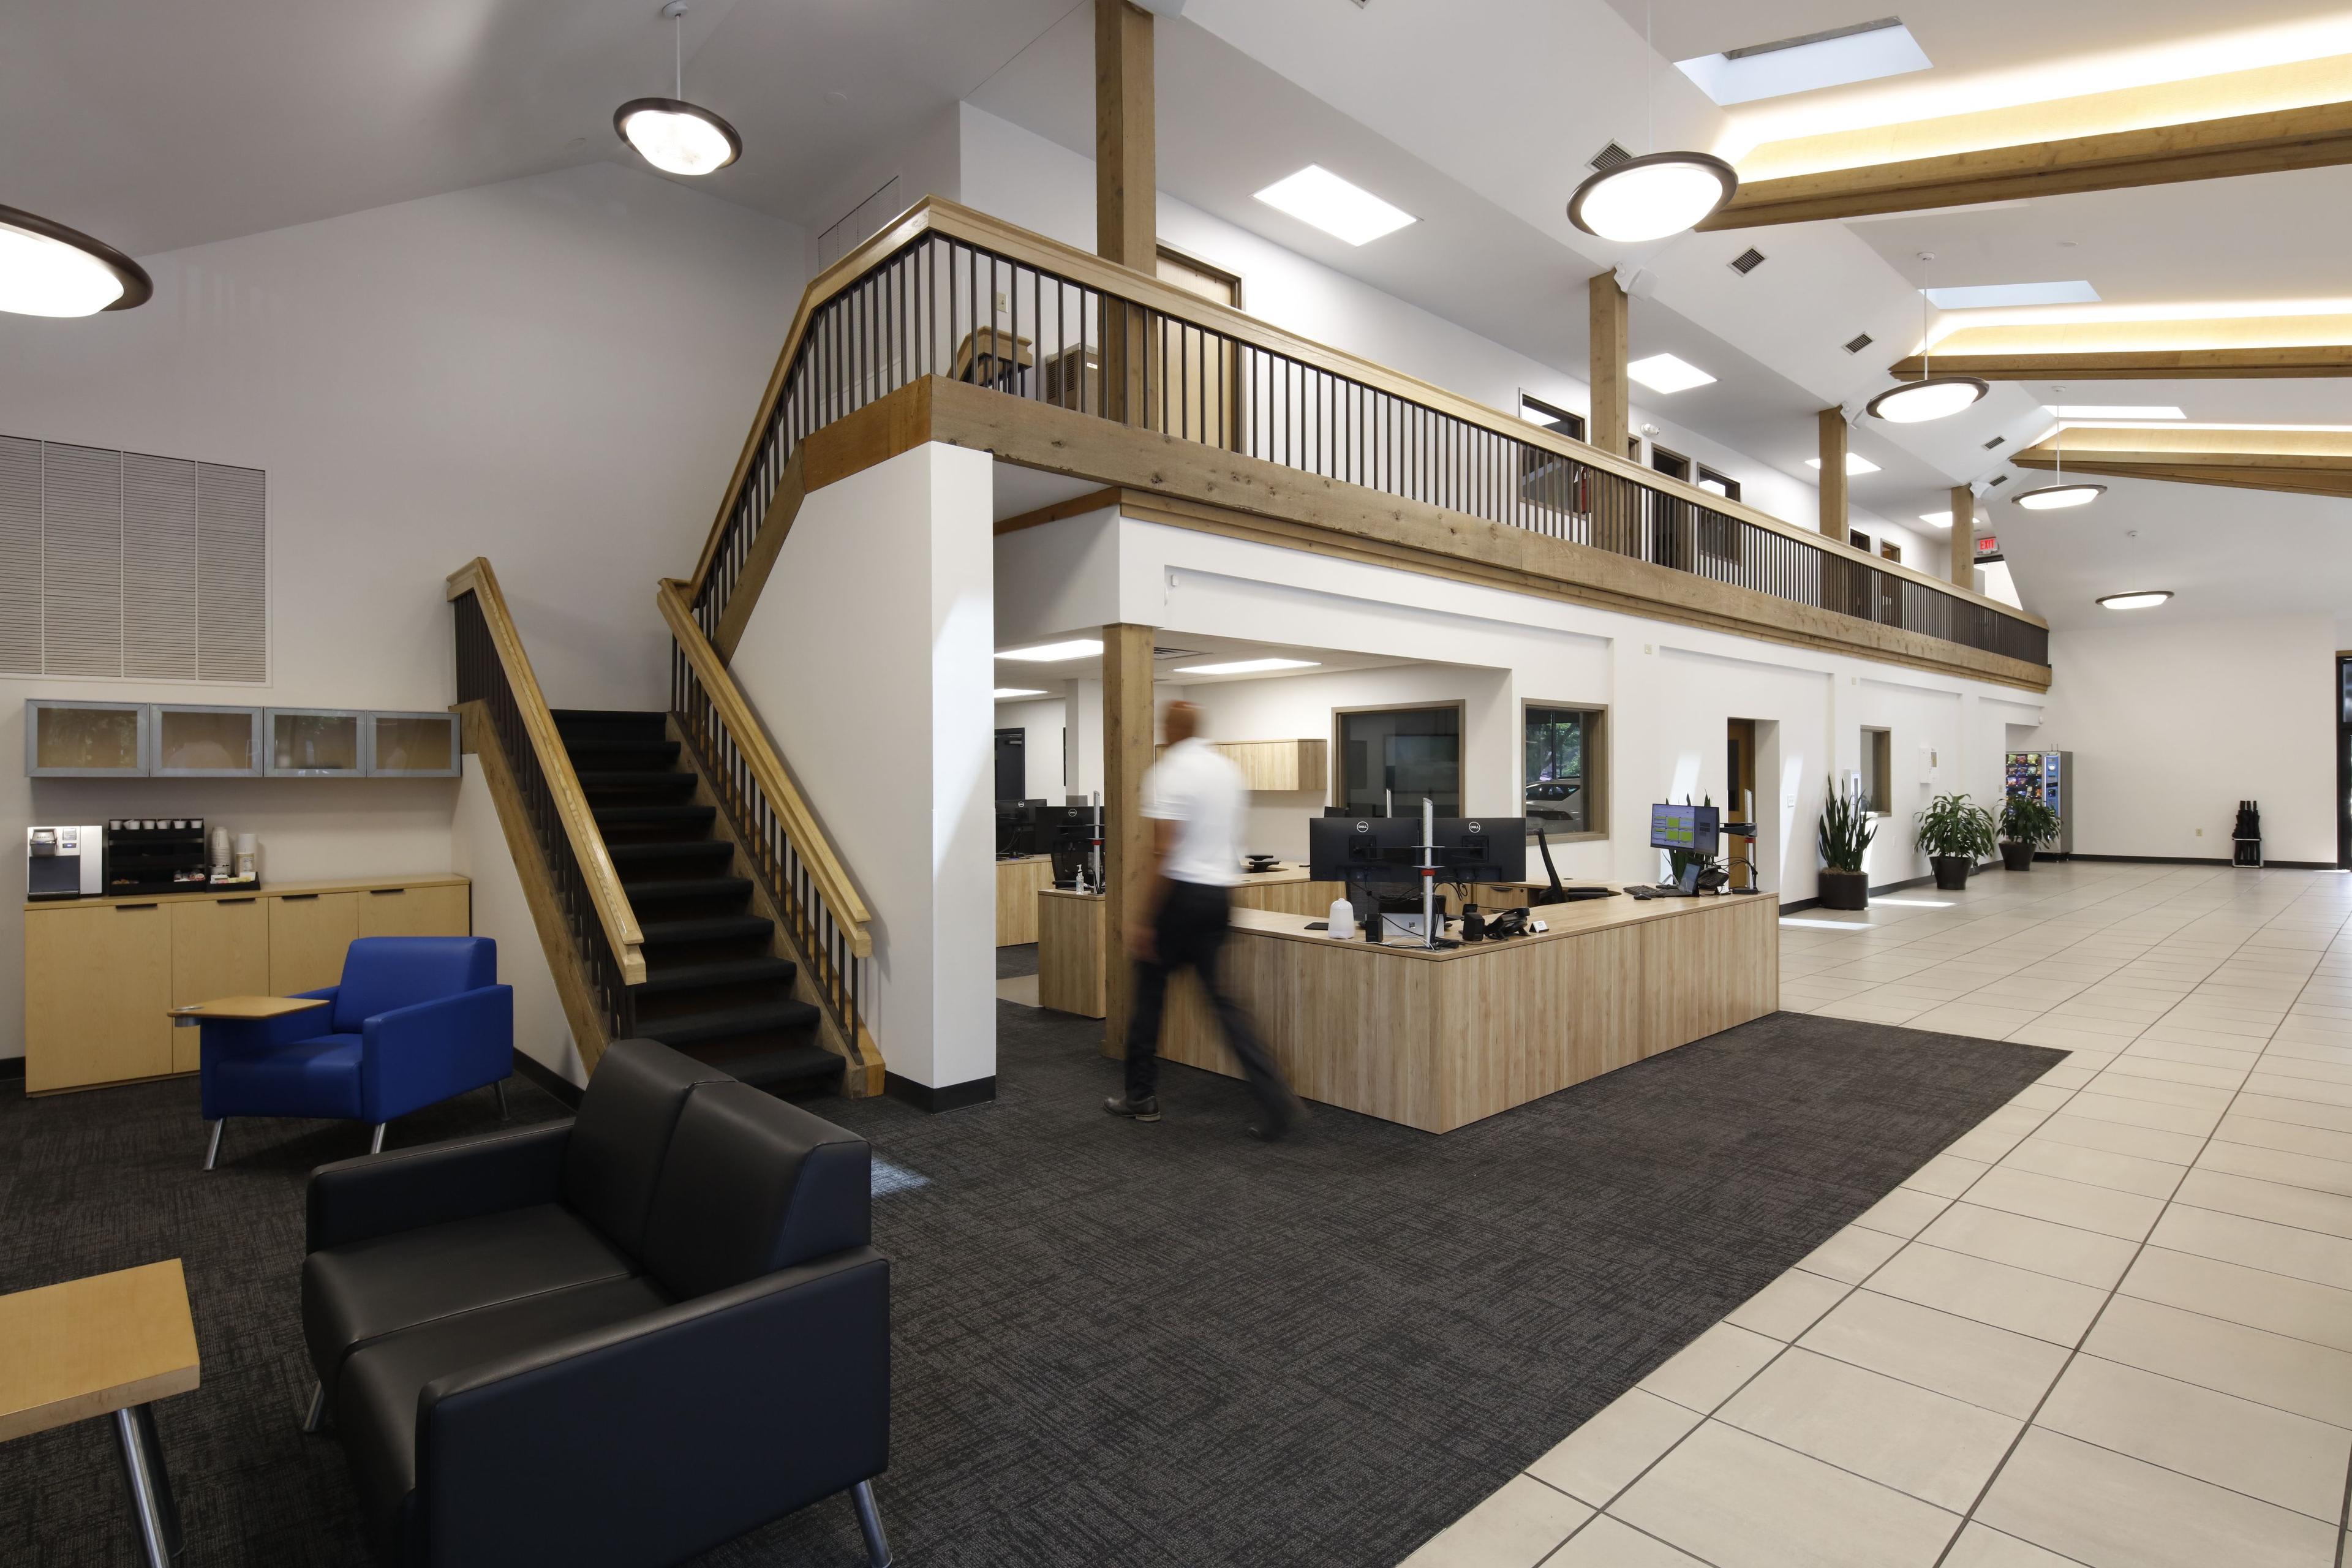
65,862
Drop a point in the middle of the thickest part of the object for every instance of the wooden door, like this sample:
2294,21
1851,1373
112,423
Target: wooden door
308,934
440,910
1194,374
1739,782
97,982
220,947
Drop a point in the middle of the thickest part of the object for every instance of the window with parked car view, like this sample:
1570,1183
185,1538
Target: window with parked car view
1561,744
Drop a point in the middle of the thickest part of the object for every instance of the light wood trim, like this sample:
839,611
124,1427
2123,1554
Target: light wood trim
1962,558
1835,514
1018,883
2109,348
267,890
2289,361
1071,948
583,1009
2303,462
816,852
2097,141
938,215
604,883
87,1347
1606,307
247,1008
1127,184
1280,766
1129,728
1077,506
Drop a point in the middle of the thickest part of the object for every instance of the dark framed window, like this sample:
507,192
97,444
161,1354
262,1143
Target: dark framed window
1560,771
1858,538
1548,417
1878,769
1392,757
1674,465
1722,485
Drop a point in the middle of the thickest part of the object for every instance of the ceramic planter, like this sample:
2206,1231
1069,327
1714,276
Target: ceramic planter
2016,857
1951,871
1845,889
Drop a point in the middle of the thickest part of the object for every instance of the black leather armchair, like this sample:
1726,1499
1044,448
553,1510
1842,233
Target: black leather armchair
618,1340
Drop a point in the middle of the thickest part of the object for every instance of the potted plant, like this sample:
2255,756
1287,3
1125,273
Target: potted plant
1844,837
1954,835
2026,823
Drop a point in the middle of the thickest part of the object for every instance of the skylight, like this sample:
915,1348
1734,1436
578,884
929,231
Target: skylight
1864,52
1664,372
1985,296
2117,411
1317,196
1856,463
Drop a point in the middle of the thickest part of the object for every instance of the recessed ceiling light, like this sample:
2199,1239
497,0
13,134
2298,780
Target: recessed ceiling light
1056,652
1317,196
1939,519
1864,52
1856,463
1984,295
1664,372
2057,498
673,135
2146,601
1248,666
49,269
2117,411
1005,691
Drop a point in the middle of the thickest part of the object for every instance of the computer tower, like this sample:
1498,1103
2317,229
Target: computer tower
2048,777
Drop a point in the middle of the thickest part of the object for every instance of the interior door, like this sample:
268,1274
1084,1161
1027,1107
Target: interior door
1739,782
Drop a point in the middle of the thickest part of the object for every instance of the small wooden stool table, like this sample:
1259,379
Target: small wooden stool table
108,1345
252,1007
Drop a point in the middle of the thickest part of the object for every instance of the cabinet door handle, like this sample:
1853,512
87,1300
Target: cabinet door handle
126,909
246,900
380,892
296,897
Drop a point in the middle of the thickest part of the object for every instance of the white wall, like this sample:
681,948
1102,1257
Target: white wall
1041,720
2172,725
894,748
555,371
478,850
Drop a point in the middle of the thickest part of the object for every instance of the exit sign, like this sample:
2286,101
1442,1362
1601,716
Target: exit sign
1989,550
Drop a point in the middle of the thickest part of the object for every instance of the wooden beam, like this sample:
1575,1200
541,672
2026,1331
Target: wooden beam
2170,364
2255,121
1128,730
1612,396
2300,462
1126,178
2189,349
1964,536
1833,507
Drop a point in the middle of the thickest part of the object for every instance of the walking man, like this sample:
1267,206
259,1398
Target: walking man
1194,798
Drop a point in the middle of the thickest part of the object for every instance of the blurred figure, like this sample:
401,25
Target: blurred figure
1194,799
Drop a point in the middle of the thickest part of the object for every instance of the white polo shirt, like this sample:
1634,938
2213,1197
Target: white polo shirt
1198,788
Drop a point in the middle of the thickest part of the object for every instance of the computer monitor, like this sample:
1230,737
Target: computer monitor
1697,829
1481,848
1376,851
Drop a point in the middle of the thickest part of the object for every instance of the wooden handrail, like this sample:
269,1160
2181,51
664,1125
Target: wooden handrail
783,796
604,882
935,214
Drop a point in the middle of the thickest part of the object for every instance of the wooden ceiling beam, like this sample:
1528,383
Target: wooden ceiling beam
2315,462
2313,359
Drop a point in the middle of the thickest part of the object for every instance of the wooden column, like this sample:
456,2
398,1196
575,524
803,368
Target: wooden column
1129,730
1611,416
1126,180
1964,536
1833,423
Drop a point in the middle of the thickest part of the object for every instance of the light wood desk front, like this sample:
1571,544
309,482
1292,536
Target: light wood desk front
1439,1039
1018,883
1071,961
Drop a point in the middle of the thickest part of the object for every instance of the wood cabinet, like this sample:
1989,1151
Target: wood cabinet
100,972
1279,765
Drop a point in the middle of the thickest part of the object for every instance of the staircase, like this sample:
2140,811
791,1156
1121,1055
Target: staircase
714,988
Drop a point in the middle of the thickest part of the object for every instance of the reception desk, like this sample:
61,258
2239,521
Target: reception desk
1070,932
1439,1039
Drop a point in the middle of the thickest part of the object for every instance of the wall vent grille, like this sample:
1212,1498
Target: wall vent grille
1748,261
1859,342
1996,441
122,566
1612,156
1997,480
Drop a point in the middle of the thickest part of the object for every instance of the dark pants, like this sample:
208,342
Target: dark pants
1190,934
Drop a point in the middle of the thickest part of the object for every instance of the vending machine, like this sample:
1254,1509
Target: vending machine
2048,777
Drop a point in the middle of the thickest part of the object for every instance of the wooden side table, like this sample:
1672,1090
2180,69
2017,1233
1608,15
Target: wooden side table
108,1345
250,1009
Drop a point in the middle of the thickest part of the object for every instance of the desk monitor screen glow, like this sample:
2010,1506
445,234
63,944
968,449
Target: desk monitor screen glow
1695,828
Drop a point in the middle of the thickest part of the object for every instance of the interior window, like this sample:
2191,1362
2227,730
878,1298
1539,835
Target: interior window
1560,768
1398,755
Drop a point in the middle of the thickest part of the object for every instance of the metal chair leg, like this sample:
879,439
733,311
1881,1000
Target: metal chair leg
212,1152
869,1521
500,1087
316,1416
375,1144
150,1489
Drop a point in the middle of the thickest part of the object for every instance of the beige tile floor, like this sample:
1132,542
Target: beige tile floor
2110,1325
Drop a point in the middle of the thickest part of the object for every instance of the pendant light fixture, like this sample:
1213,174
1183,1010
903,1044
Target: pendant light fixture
1933,396
1657,194
673,135
2059,494
49,269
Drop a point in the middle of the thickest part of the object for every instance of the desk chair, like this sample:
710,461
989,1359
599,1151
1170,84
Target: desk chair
416,1020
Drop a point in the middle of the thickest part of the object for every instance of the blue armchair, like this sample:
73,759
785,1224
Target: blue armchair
416,1020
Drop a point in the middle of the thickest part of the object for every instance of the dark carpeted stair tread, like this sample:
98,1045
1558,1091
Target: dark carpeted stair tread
676,977
729,1023
633,781
659,891
651,753
685,817
777,1070
667,858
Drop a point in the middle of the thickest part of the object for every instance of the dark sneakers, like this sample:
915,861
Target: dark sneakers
1144,1110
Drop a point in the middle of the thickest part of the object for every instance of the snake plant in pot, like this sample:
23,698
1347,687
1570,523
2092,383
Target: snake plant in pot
2026,823
1955,835
1844,836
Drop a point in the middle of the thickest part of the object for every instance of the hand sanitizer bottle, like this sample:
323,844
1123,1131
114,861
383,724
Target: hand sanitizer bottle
1342,920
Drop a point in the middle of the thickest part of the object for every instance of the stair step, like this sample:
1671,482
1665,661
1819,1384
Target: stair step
716,928
651,753
767,1018
672,978
642,716
661,889
665,859
780,1071
635,783
690,817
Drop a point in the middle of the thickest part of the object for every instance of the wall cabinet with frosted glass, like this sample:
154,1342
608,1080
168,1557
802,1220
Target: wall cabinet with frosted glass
69,738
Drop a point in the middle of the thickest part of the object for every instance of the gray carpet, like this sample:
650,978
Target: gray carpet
1114,1344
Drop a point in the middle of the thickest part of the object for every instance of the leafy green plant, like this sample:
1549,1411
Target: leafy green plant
1953,826
1679,858
1845,830
2026,820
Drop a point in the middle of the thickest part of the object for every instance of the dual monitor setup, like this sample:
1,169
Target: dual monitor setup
1067,833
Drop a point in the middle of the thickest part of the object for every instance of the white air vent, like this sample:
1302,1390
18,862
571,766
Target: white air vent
1748,261
1859,342
1996,441
1612,156
128,566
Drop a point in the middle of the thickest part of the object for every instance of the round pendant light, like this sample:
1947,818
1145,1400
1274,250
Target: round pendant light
1657,194
49,269
673,135
1933,396
2058,495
